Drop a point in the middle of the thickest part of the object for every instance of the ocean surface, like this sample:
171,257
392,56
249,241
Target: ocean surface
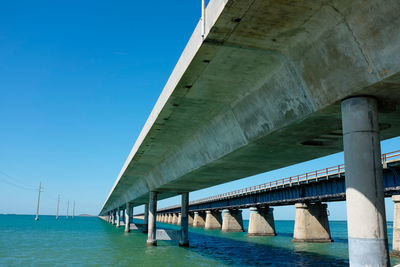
89,241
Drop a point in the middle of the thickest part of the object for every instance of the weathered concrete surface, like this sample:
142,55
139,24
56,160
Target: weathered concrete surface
213,220
190,218
170,218
261,222
174,218
199,219
178,221
263,91
311,223
184,221
396,227
366,218
151,228
232,221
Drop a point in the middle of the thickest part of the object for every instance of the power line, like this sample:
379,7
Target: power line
15,181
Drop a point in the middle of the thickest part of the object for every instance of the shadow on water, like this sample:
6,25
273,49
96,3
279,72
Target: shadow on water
247,251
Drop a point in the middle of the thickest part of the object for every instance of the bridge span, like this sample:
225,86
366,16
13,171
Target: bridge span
265,84
306,191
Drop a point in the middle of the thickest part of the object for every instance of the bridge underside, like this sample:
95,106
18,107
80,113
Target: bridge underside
263,91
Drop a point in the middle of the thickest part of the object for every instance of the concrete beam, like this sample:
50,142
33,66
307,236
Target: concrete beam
239,104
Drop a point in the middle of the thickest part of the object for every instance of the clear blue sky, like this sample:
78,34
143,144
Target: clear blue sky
78,80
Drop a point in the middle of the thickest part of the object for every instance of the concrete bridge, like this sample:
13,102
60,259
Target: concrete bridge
306,191
265,84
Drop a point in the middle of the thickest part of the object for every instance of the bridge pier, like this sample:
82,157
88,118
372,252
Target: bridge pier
184,222
128,215
311,223
164,216
174,218
190,218
232,221
146,217
261,222
170,218
199,219
151,232
366,218
178,222
396,227
118,218
113,217
213,219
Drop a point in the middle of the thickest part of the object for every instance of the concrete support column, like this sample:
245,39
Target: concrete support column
118,218
366,218
311,223
190,218
232,221
213,219
151,232
179,219
174,218
165,218
184,220
170,218
146,217
396,227
128,215
199,219
113,217
261,222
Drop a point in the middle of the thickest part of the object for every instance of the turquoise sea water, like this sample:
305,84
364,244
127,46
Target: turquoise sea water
84,241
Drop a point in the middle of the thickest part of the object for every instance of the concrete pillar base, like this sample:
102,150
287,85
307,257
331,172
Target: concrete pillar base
170,218
395,254
174,218
261,222
186,244
190,218
396,227
233,221
179,219
151,243
311,223
213,220
199,219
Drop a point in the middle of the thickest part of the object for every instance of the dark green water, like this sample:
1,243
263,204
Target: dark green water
92,242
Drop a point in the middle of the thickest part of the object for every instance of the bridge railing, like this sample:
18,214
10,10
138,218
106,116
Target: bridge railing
314,175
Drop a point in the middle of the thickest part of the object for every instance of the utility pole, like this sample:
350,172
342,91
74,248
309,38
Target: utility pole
73,211
38,201
67,209
58,206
